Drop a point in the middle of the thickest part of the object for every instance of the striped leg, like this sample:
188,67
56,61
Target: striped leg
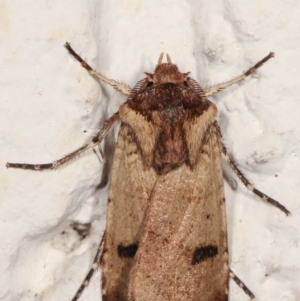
241,284
91,272
247,184
96,140
214,89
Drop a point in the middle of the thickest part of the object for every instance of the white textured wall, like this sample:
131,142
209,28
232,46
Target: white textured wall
51,106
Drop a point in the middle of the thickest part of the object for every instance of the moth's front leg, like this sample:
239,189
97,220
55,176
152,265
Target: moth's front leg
214,89
96,140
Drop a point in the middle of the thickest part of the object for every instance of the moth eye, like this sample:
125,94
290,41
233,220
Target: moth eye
185,83
149,84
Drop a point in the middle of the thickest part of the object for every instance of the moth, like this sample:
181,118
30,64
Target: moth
166,236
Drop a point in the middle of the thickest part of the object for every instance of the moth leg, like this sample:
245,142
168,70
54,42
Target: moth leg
116,85
96,140
95,266
214,89
247,184
241,284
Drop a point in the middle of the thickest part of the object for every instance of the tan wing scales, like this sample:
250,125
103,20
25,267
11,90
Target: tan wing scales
130,189
184,239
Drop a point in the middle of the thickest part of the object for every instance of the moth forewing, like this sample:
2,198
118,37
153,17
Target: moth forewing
184,239
129,192
166,234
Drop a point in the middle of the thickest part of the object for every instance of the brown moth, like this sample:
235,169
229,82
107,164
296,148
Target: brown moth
166,235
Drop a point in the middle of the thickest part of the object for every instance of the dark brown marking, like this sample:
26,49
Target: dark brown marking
128,251
95,139
201,254
149,84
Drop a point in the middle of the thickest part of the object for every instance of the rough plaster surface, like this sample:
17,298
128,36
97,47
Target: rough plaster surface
51,106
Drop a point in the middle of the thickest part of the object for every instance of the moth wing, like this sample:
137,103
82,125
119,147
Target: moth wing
182,254
130,188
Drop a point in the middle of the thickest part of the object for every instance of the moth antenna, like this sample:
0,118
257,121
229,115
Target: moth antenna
169,59
160,58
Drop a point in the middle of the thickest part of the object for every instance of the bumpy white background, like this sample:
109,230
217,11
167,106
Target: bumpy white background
51,106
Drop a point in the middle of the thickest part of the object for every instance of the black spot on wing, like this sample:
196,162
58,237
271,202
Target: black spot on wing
203,253
127,251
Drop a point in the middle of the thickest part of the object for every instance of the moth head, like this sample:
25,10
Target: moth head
166,73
